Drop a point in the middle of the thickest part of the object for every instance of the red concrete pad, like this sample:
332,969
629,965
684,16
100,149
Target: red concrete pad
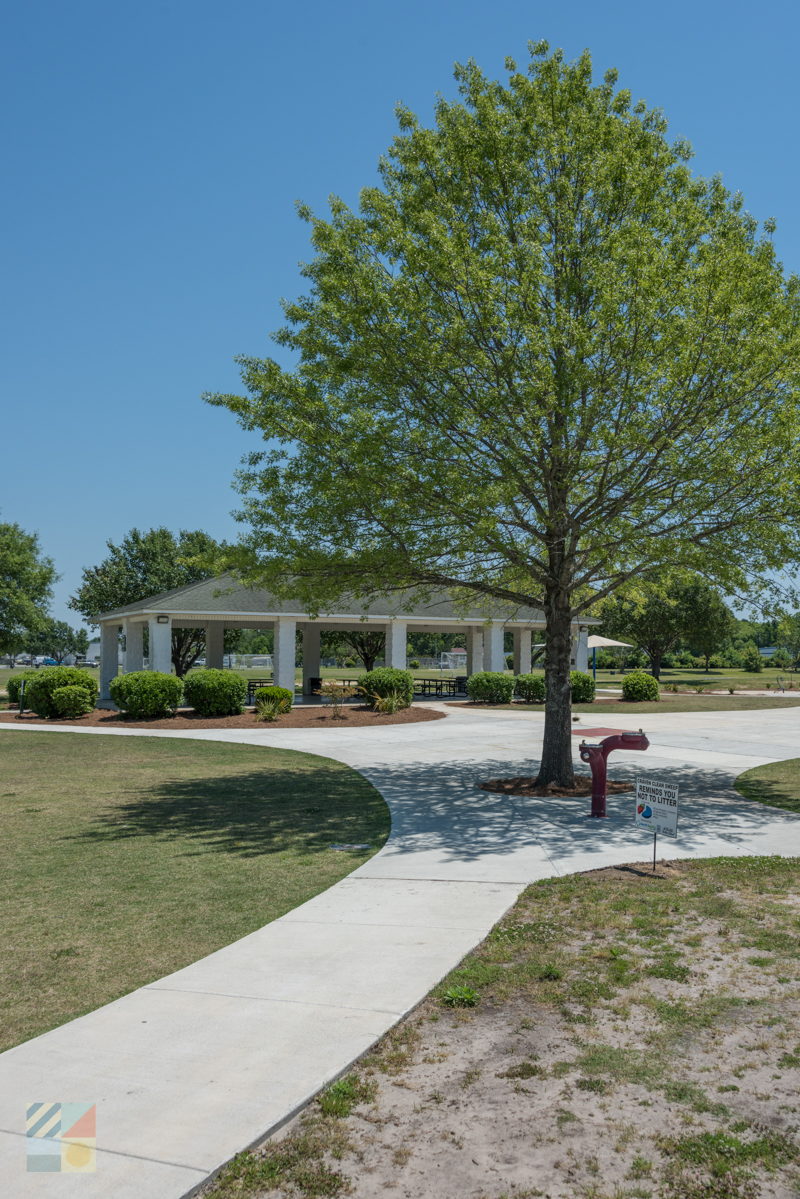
597,732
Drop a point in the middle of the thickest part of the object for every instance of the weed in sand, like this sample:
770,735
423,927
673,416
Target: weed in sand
342,1096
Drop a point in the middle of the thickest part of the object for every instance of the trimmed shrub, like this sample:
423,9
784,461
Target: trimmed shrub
639,686
385,680
413,663
273,701
490,687
752,660
215,692
71,702
530,688
13,682
583,687
146,694
39,690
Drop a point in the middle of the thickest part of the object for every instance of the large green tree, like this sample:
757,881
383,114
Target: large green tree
26,580
650,615
657,615
56,639
542,357
146,563
709,621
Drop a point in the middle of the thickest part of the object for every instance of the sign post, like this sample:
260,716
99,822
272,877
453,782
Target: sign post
656,809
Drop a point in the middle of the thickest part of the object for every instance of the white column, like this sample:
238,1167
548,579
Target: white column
493,656
160,655
134,645
311,656
396,641
215,645
522,651
580,649
474,650
109,657
283,653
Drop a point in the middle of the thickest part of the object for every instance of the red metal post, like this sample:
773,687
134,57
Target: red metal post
597,757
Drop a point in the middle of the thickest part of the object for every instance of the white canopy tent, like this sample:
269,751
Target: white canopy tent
595,642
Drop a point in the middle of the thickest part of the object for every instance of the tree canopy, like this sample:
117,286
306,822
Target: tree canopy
147,563
656,615
56,639
26,580
542,358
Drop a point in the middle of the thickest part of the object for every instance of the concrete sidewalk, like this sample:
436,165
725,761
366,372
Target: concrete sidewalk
196,1066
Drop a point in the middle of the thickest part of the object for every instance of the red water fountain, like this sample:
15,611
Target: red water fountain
597,757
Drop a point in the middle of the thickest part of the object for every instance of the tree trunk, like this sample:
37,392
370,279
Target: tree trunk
655,663
187,646
556,764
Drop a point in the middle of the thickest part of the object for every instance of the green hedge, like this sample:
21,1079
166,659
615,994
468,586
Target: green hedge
215,692
71,702
583,687
39,689
530,688
146,694
388,680
490,687
639,686
13,682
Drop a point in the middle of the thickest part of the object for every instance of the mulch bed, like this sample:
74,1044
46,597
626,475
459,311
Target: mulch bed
527,785
311,717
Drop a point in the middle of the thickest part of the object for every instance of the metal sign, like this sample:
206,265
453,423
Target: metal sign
657,807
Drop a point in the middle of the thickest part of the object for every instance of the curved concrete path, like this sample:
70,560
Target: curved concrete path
198,1065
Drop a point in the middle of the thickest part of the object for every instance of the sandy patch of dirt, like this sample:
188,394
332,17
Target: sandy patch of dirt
300,717
634,1037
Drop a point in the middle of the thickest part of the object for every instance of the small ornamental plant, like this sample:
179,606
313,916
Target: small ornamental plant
583,687
14,681
334,693
530,688
215,692
490,687
39,690
272,702
640,687
72,702
146,694
385,680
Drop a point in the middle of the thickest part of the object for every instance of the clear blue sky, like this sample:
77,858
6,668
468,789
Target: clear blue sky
152,158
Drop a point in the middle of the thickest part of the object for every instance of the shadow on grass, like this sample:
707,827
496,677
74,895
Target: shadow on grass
253,812
777,793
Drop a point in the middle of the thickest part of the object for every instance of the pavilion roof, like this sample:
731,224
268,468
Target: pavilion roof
226,596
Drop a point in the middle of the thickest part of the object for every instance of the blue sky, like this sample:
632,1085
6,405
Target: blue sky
153,155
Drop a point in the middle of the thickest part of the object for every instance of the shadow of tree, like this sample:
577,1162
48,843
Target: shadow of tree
441,807
776,792
267,811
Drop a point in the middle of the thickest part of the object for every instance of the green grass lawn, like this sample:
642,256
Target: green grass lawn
713,679
691,703
777,784
125,858
668,703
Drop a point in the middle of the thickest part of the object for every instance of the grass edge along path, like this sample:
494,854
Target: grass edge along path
777,784
125,859
616,1036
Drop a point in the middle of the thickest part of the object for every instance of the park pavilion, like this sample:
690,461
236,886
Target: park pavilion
224,603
